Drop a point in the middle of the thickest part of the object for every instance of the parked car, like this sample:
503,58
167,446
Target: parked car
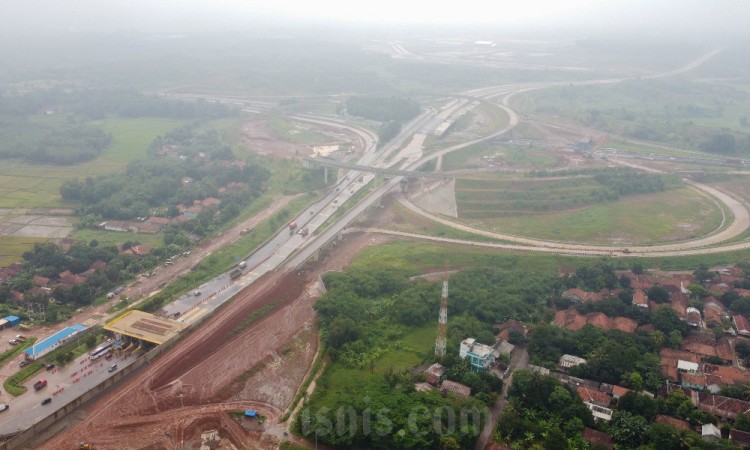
4,407
47,401
13,342
20,337
112,368
49,366
24,363
40,384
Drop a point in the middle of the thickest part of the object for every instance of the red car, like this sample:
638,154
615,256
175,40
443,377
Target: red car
40,384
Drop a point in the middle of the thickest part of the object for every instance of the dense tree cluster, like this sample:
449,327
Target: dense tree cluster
46,143
383,109
362,316
612,356
152,183
543,413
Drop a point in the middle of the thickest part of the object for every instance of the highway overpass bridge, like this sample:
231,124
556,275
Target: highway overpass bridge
310,162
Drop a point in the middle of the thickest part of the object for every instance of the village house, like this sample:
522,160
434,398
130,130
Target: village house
435,374
741,438
675,422
597,437
713,312
578,295
572,320
456,388
481,357
504,329
742,325
693,317
594,396
640,299
568,361
70,279
158,221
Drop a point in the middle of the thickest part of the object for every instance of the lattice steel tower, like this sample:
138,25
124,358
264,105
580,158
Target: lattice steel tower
443,318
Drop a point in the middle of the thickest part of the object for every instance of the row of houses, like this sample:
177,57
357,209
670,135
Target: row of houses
599,398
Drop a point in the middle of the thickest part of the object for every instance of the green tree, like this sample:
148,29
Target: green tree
628,430
658,294
90,341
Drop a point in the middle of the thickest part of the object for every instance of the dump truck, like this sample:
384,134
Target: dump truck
235,273
292,226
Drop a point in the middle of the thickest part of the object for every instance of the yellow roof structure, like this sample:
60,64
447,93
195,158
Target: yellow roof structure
145,326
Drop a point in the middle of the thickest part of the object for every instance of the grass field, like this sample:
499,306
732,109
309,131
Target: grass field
510,156
646,218
114,238
24,185
404,352
418,257
12,248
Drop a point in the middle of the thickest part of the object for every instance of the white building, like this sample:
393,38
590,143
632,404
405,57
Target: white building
687,366
568,361
481,357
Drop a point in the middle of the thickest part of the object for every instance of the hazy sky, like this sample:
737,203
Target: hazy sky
182,15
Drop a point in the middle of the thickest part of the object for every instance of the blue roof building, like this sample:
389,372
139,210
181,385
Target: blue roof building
50,343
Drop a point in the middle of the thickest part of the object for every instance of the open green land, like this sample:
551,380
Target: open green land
506,156
24,185
644,218
415,257
114,238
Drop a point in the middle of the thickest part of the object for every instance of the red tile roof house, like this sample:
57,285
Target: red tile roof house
456,388
743,327
159,221
669,358
210,201
675,422
569,319
579,295
713,311
639,298
597,437
40,281
71,279
504,329
594,396
739,437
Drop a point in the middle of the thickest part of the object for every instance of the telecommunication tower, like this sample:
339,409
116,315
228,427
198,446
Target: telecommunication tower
443,318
